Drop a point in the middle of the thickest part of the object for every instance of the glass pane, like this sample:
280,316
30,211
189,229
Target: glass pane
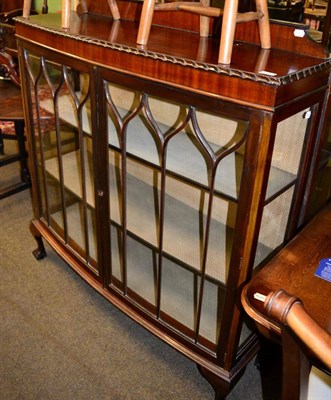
62,124
290,136
175,174
285,163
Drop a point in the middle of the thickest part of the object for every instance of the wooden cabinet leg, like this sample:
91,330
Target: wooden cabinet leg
40,251
221,386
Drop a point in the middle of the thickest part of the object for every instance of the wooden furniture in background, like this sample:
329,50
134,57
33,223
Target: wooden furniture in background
230,17
271,299
11,110
8,53
286,10
317,14
10,5
183,176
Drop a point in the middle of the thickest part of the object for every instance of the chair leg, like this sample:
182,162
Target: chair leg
145,21
228,30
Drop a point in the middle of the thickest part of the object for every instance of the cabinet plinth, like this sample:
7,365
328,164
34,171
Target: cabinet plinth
163,178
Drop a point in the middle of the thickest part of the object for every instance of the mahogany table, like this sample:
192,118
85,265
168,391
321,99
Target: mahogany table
295,270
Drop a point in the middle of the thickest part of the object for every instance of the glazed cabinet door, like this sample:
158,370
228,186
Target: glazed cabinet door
175,172
64,143
200,192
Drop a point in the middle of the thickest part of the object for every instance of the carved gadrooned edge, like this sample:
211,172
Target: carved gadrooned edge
218,69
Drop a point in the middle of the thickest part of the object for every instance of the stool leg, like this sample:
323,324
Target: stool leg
145,21
204,21
26,8
19,130
264,25
114,9
84,6
228,30
66,14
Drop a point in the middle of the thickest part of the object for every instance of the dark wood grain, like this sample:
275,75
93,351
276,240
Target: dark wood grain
9,5
293,270
191,62
11,102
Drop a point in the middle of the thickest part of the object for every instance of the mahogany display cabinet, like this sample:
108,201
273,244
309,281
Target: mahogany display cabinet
162,178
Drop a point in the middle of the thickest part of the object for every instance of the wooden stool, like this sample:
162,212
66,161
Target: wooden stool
288,300
230,18
66,7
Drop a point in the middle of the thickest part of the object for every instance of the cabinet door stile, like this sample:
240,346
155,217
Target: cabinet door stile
261,135
101,176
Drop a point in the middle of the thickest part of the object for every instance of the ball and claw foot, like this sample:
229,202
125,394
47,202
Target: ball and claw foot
40,251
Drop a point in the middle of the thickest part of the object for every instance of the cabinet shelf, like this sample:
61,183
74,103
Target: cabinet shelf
194,169
185,221
141,275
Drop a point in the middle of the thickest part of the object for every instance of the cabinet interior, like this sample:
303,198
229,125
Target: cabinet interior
174,175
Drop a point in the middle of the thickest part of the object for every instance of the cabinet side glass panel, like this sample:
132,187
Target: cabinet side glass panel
175,174
62,126
284,172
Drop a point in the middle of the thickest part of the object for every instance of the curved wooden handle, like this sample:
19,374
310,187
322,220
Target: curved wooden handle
290,311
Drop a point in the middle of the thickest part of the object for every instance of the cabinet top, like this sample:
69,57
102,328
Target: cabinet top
177,56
